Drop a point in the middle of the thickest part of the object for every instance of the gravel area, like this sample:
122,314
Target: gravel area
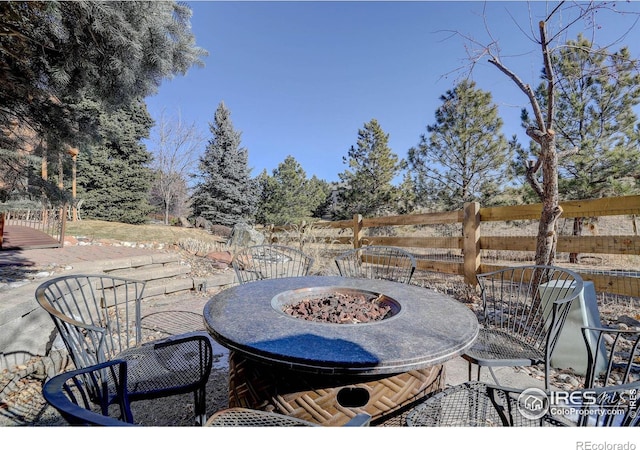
30,409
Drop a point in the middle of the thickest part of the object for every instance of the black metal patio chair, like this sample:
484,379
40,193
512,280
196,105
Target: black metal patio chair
97,396
523,312
98,318
471,404
610,397
478,404
261,262
613,356
377,262
611,394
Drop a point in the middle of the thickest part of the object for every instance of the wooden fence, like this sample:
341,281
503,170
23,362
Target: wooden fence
471,239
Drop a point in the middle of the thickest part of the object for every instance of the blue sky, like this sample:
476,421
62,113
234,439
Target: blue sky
301,78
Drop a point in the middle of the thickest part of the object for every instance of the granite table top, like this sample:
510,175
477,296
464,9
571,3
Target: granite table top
428,329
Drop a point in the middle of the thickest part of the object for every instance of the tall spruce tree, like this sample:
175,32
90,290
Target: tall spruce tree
464,152
55,54
225,194
368,188
113,176
266,185
288,196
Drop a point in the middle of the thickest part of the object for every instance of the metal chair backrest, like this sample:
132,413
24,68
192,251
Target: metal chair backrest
613,356
76,393
261,262
243,417
377,262
529,302
97,316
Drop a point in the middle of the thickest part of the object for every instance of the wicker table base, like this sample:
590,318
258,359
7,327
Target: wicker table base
326,399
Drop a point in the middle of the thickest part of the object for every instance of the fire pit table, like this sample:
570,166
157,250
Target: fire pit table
327,372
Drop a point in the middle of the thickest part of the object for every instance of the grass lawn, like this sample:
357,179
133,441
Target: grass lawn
98,229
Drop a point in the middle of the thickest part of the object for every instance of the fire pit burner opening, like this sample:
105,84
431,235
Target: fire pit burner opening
336,305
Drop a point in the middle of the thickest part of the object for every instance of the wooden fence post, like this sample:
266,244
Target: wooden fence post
471,233
357,230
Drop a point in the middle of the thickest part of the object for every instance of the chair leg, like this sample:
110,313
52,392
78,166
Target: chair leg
546,376
470,369
493,375
199,399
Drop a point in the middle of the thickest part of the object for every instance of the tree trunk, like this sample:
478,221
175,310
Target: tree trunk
551,210
166,200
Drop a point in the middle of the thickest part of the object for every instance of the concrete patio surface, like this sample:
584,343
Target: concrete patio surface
86,255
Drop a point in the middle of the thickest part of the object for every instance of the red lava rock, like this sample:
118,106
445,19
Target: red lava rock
340,308
221,257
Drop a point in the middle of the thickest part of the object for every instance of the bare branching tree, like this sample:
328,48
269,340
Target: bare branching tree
176,146
548,35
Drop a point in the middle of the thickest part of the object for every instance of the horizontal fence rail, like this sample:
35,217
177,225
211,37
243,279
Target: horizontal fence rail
475,239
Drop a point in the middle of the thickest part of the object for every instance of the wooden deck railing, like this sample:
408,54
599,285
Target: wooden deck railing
471,240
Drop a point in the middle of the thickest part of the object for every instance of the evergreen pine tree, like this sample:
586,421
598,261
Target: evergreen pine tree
288,196
266,185
596,123
55,54
113,176
408,197
595,118
368,188
59,52
225,194
464,151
